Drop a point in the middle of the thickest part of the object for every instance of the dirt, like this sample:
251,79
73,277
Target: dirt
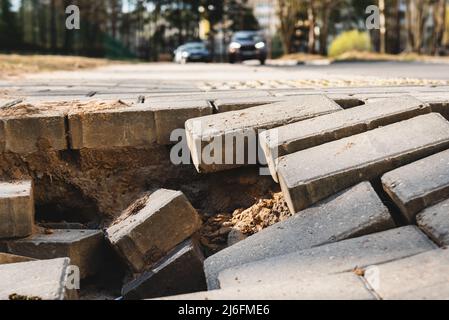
261,215
93,106
359,271
264,213
133,209
20,110
24,109
16,65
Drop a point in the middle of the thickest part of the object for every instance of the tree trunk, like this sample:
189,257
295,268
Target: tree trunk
439,18
324,34
382,31
415,25
312,24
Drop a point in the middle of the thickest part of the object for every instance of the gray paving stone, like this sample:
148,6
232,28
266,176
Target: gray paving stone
207,96
85,248
352,213
345,286
236,126
419,185
236,104
180,272
306,134
152,227
16,209
311,175
343,256
120,127
170,116
32,132
421,277
434,221
43,279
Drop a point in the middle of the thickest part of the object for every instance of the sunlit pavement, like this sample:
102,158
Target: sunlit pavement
147,78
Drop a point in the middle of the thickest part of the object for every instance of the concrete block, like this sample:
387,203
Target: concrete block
346,101
352,213
16,209
170,116
35,280
345,286
85,248
132,126
32,132
421,277
6,258
222,132
306,134
152,227
419,185
311,175
343,256
236,104
180,272
206,96
434,221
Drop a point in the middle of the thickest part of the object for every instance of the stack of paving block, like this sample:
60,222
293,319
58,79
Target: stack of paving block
35,264
368,188
156,238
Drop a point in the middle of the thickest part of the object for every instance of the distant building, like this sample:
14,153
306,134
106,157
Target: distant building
265,13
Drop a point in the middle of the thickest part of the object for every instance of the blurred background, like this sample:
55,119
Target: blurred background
153,30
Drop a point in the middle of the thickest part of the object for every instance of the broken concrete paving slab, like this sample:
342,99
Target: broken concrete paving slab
421,277
419,185
16,209
344,286
128,126
434,221
85,248
153,226
6,258
180,272
32,131
355,212
309,133
342,256
170,116
230,138
36,280
311,175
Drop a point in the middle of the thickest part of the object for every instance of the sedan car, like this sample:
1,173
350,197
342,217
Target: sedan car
247,45
192,52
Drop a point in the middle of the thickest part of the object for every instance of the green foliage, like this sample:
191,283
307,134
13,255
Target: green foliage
276,47
9,33
350,41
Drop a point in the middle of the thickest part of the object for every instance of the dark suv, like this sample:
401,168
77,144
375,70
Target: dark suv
247,45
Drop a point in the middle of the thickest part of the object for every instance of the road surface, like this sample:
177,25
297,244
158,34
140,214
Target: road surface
147,78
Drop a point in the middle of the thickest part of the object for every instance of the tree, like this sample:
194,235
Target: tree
10,36
415,24
439,18
288,12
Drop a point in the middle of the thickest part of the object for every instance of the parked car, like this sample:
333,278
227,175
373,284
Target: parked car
192,52
247,45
